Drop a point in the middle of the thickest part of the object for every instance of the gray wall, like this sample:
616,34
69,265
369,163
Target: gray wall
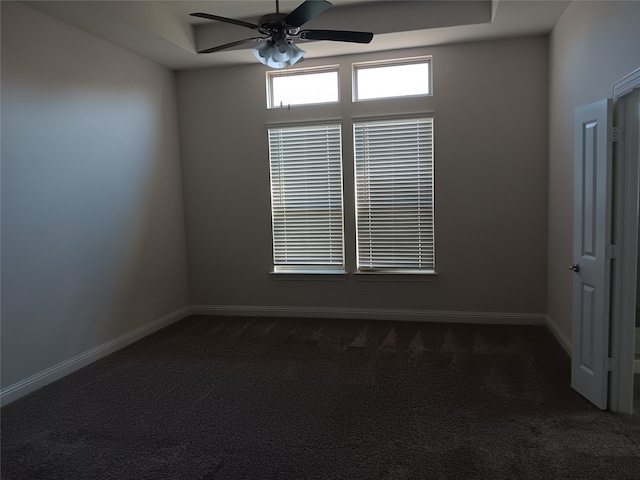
490,103
593,45
92,215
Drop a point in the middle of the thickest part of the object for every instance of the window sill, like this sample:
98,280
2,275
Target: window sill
319,275
396,276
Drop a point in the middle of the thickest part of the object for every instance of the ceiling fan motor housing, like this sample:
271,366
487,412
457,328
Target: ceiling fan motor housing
272,24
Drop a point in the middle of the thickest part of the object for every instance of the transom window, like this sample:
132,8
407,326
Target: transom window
302,87
397,78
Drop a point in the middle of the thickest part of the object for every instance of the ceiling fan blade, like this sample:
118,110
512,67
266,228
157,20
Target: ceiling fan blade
208,16
305,12
232,44
336,35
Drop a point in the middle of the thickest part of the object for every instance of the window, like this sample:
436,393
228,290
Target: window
390,229
306,198
302,87
392,79
394,195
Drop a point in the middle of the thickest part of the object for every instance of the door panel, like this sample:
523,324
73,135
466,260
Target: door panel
591,239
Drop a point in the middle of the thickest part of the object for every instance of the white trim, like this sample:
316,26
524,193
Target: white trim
40,379
626,84
563,340
494,318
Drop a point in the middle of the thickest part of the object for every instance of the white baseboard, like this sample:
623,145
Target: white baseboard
23,387
559,335
497,318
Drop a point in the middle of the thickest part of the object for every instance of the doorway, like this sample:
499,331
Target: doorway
625,281
606,248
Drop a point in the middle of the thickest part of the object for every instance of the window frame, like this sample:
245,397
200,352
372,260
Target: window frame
346,111
356,67
271,74
429,239
308,267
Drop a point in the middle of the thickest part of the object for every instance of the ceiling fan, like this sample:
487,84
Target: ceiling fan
276,48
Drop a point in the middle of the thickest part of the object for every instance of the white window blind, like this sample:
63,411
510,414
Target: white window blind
306,197
394,194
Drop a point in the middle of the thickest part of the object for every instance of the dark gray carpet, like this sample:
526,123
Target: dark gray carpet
245,398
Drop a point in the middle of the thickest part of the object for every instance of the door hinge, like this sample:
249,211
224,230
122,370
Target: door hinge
609,364
612,251
615,134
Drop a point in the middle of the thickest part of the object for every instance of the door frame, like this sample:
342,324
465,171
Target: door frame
625,255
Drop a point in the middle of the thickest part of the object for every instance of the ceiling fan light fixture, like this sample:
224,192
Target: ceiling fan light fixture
296,55
262,51
278,54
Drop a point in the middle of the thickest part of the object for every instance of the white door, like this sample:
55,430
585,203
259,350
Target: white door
591,252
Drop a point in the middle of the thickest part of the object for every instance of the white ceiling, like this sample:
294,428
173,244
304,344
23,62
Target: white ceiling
164,32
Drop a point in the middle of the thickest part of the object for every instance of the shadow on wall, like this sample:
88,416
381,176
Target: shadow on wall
88,188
